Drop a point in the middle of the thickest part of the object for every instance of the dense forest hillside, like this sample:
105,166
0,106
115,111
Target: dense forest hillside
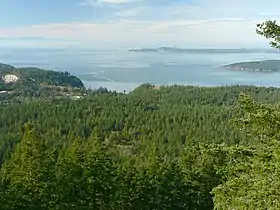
166,115
261,66
154,148
20,83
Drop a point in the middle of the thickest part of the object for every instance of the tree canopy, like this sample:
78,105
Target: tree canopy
271,31
155,148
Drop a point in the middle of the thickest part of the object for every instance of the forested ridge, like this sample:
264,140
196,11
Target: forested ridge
36,76
174,147
176,112
154,148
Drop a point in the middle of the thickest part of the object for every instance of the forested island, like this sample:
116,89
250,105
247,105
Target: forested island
257,66
222,51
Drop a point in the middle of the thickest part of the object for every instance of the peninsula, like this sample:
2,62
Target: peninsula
258,66
30,82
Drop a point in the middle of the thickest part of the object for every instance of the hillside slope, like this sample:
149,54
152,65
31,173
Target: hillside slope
30,81
126,149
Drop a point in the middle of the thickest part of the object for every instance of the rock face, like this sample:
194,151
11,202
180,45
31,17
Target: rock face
10,78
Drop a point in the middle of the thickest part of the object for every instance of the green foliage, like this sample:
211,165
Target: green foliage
252,175
154,148
49,77
179,114
271,31
199,163
25,178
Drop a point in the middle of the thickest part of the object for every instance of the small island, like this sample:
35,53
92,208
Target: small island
257,66
213,51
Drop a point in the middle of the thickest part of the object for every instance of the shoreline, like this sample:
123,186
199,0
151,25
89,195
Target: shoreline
122,87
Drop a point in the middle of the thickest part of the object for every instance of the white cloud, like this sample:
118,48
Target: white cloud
153,22
116,1
130,12
102,2
218,32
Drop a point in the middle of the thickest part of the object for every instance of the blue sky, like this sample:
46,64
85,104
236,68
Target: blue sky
134,23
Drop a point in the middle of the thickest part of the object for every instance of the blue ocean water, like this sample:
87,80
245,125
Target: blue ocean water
122,70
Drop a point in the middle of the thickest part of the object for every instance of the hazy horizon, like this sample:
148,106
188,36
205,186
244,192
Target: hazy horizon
268,48
134,23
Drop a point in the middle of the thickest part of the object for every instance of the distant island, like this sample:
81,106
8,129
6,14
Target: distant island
30,82
182,50
258,66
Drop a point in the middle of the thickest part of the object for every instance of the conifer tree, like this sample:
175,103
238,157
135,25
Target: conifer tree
25,177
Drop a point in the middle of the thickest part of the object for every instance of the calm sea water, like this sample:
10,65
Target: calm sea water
121,70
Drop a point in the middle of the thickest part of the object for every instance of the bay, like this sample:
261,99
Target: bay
121,70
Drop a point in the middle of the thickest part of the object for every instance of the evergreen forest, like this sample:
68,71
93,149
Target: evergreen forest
167,147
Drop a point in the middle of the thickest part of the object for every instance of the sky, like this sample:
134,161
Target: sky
134,23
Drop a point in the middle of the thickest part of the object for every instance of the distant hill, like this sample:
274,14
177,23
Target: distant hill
261,66
181,50
35,82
